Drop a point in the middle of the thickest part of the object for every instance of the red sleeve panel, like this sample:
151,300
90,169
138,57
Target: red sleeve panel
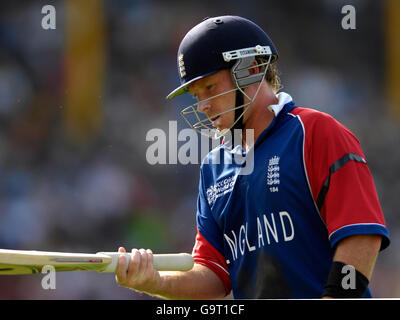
205,254
340,180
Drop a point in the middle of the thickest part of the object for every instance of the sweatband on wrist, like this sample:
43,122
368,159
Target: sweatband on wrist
344,281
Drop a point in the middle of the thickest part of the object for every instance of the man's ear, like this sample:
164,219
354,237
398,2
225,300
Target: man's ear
254,69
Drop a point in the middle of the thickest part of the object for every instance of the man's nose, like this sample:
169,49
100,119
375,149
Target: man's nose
204,106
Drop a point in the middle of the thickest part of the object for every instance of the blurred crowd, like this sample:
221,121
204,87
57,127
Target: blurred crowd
58,193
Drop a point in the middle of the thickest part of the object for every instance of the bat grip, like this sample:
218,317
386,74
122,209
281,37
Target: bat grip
161,262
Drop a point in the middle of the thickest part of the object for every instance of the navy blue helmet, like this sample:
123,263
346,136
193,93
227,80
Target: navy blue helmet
211,46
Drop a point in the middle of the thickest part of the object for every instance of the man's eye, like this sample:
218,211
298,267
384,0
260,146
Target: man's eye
209,87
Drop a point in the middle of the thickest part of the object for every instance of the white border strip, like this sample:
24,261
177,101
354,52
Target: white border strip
219,266
305,168
356,224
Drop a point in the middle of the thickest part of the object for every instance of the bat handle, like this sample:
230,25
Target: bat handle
161,262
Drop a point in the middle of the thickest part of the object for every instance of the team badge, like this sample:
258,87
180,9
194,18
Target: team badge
273,174
181,66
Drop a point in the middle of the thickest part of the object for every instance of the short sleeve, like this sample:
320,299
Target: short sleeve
341,182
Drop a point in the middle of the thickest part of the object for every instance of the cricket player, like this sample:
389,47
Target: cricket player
305,223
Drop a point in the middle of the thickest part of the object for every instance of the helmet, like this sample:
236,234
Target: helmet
224,42
201,51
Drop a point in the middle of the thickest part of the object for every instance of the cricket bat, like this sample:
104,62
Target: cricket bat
17,262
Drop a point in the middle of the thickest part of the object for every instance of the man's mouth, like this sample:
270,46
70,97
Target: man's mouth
213,119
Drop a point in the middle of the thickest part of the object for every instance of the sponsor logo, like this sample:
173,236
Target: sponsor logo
219,189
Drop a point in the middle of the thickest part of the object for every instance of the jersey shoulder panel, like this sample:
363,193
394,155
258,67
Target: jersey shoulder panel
341,183
320,125
326,140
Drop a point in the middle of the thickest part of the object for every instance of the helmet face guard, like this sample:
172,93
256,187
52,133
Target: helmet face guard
226,42
242,79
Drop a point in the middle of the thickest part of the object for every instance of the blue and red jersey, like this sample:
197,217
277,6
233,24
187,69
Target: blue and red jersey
272,233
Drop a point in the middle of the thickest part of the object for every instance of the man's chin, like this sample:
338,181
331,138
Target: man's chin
221,132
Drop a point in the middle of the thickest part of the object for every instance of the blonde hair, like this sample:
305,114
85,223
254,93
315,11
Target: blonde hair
273,75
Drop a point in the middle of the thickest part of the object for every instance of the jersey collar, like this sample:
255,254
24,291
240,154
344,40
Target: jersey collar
284,98
285,102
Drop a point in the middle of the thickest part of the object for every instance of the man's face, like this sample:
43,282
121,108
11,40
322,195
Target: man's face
210,86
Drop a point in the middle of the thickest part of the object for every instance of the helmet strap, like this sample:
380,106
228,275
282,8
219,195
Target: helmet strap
238,113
